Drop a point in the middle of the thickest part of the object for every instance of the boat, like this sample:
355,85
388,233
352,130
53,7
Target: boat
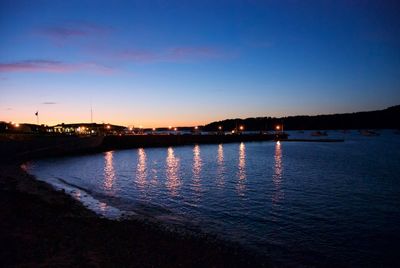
369,133
319,133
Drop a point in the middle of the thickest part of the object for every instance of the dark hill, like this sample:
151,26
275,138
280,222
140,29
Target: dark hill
387,118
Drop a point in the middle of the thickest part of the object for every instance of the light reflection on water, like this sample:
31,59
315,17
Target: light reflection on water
196,169
172,172
141,169
220,166
308,198
109,173
241,183
277,176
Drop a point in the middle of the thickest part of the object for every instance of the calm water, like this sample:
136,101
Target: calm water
311,204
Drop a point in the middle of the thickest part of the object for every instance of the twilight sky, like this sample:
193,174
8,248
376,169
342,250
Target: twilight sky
160,63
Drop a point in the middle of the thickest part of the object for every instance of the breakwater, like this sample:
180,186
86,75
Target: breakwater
21,147
24,147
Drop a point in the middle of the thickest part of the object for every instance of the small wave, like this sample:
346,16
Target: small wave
74,185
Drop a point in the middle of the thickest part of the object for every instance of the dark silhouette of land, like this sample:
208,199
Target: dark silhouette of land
387,118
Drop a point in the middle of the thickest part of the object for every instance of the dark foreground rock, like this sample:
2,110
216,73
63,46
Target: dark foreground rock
40,227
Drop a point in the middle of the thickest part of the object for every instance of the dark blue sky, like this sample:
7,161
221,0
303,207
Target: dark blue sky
156,63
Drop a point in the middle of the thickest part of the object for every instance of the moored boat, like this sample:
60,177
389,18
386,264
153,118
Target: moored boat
369,133
319,133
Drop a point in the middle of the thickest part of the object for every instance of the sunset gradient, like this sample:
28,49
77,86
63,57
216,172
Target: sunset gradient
187,63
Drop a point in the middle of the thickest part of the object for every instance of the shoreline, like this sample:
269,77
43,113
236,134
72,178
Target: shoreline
36,217
45,227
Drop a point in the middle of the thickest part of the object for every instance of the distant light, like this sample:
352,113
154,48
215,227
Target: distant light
196,127
154,129
233,131
219,127
130,128
278,127
108,127
241,127
140,127
278,143
16,125
175,129
170,127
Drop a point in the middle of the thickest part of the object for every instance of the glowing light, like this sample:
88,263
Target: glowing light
108,126
175,129
219,127
170,127
154,129
278,143
233,131
140,127
278,127
16,125
196,128
241,127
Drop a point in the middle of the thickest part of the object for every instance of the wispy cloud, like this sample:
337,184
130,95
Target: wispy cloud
49,102
75,29
52,66
172,54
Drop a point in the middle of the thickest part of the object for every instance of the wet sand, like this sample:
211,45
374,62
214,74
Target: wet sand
41,227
